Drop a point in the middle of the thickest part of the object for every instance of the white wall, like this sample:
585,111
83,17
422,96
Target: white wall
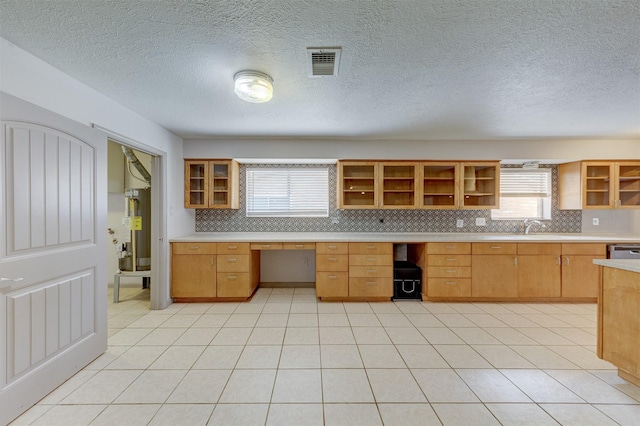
560,150
29,78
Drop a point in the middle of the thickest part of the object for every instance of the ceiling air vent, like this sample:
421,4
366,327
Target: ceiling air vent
323,61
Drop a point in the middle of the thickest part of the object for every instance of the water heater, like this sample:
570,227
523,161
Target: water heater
135,253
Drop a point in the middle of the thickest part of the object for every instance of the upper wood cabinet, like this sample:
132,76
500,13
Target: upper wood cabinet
600,185
398,185
211,184
455,185
357,185
373,185
410,185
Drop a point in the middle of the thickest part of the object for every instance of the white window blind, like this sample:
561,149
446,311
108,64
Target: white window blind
524,194
525,182
287,192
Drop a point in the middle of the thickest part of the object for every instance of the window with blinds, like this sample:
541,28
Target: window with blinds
287,192
524,194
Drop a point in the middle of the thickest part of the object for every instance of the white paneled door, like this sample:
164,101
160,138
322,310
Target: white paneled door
53,283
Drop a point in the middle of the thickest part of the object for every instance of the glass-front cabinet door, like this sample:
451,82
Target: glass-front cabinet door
196,182
219,194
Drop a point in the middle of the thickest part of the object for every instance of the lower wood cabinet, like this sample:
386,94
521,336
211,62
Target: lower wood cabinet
213,271
539,269
448,270
580,277
193,270
332,270
371,270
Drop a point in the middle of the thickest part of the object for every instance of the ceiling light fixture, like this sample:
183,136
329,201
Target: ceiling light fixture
253,86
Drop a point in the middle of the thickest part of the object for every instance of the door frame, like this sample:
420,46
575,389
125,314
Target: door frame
159,248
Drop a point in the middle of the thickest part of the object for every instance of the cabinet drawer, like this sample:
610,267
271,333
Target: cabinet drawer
233,284
539,248
449,271
299,246
449,287
370,287
370,271
193,248
332,284
233,263
370,259
266,246
449,260
584,248
233,248
370,248
332,262
448,248
332,248
493,248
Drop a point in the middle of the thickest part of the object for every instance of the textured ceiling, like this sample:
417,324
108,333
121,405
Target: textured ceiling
410,69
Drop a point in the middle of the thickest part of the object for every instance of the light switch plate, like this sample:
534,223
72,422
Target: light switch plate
481,221
459,223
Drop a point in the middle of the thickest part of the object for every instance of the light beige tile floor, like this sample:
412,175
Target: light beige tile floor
285,359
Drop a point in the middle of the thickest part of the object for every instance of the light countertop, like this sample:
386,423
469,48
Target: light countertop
632,265
401,237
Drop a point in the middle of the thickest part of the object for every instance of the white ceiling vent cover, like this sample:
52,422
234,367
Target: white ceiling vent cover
323,61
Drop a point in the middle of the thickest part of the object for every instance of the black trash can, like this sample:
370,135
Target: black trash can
407,281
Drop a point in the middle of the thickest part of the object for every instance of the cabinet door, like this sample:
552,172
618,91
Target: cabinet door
494,276
580,277
539,276
193,275
480,185
598,185
223,184
628,185
357,185
440,185
196,184
398,185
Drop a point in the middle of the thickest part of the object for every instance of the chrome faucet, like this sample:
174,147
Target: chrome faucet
528,223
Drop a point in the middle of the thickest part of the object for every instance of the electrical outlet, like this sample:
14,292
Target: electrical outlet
459,223
596,221
481,221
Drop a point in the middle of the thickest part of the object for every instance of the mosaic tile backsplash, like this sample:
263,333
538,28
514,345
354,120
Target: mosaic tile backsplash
213,220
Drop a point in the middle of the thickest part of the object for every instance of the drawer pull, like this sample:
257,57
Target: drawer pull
232,277
371,271
371,247
211,260
496,247
372,282
194,247
450,271
232,247
232,260
266,246
371,259
451,247
451,259
450,282
332,247
299,246
332,277
332,259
